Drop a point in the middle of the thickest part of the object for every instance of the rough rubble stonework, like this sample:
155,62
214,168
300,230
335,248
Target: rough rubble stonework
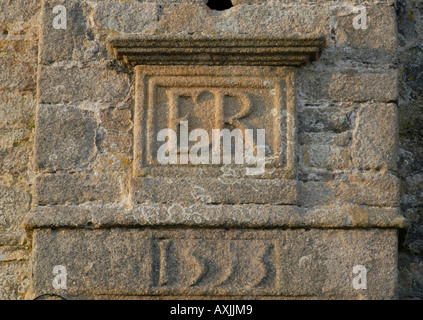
70,112
410,57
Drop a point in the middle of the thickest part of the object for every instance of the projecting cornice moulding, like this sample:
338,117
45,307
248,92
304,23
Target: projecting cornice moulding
292,51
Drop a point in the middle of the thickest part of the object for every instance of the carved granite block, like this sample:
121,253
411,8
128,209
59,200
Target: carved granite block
291,263
380,32
368,188
214,98
70,41
347,86
209,190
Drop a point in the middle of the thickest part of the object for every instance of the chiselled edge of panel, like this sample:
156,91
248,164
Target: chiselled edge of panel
214,216
216,50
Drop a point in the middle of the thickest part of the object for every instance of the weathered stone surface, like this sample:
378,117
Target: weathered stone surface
375,140
364,87
117,143
290,263
326,157
116,120
410,169
76,188
65,137
325,135
210,190
212,216
19,10
367,188
16,108
70,39
342,139
98,83
15,273
332,118
17,75
15,160
114,161
268,18
317,193
275,18
343,148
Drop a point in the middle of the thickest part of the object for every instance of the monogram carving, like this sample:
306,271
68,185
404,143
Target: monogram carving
184,99
207,109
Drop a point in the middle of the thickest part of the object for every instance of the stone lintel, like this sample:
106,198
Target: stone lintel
216,50
252,216
302,264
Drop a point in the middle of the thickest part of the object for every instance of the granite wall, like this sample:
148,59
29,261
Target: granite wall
348,106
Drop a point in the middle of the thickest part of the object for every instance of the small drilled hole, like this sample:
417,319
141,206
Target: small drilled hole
220,5
5,32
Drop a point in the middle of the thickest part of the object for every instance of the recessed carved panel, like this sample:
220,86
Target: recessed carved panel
214,265
238,99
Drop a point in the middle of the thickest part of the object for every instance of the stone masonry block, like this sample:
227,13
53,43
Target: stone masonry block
209,190
96,83
53,189
190,17
375,140
61,44
15,108
200,263
14,205
368,188
17,75
118,16
347,85
360,87
18,10
65,137
379,33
